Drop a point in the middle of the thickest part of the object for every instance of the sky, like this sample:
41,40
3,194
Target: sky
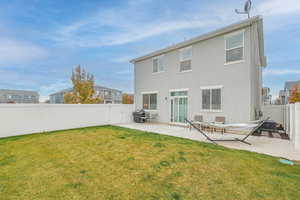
41,41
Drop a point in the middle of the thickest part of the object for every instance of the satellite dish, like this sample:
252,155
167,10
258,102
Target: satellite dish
247,8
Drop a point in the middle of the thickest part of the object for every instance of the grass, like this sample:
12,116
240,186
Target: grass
117,163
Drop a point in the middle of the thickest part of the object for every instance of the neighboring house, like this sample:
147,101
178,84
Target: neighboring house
18,96
285,94
281,98
216,74
266,96
128,98
109,96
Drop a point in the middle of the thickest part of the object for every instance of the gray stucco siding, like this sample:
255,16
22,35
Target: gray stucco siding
208,69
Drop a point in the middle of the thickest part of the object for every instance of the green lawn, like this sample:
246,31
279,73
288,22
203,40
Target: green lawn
117,163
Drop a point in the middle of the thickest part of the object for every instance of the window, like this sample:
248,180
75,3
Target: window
185,59
216,99
211,98
150,101
206,99
158,64
234,47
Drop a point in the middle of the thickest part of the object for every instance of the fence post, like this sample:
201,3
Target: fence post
292,120
287,118
297,126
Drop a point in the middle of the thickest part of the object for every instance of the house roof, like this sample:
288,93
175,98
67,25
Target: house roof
61,91
290,84
96,87
101,87
218,32
28,92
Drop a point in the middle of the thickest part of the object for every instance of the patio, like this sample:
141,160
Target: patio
265,145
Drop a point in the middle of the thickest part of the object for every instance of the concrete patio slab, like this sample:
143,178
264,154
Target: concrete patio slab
265,145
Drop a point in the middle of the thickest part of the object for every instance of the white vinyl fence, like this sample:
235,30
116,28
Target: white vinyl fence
289,117
274,112
292,123
19,119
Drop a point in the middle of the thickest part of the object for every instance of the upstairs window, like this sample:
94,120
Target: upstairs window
185,59
234,47
158,64
150,101
212,99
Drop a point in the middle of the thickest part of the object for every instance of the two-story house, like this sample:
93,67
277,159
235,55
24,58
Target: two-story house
285,94
18,96
215,74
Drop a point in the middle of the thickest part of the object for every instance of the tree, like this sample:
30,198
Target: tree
127,99
83,88
295,94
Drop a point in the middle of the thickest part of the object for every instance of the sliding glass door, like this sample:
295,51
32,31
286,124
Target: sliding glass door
179,105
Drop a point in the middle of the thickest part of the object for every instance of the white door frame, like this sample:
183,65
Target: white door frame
173,98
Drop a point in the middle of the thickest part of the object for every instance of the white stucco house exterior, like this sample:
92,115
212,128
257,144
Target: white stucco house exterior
215,74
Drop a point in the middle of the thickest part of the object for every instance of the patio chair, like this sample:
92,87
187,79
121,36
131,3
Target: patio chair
198,119
219,120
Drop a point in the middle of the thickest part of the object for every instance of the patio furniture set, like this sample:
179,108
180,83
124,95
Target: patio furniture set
251,128
219,125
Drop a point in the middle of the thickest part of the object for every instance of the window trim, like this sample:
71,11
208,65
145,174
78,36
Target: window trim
211,88
243,45
182,60
164,67
150,92
178,90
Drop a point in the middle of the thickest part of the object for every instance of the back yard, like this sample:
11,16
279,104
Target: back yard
116,163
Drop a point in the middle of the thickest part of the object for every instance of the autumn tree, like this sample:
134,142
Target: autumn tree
295,94
83,88
127,99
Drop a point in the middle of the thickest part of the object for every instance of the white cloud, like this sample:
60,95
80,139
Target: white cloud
73,34
123,58
279,7
157,29
281,72
135,22
17,52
